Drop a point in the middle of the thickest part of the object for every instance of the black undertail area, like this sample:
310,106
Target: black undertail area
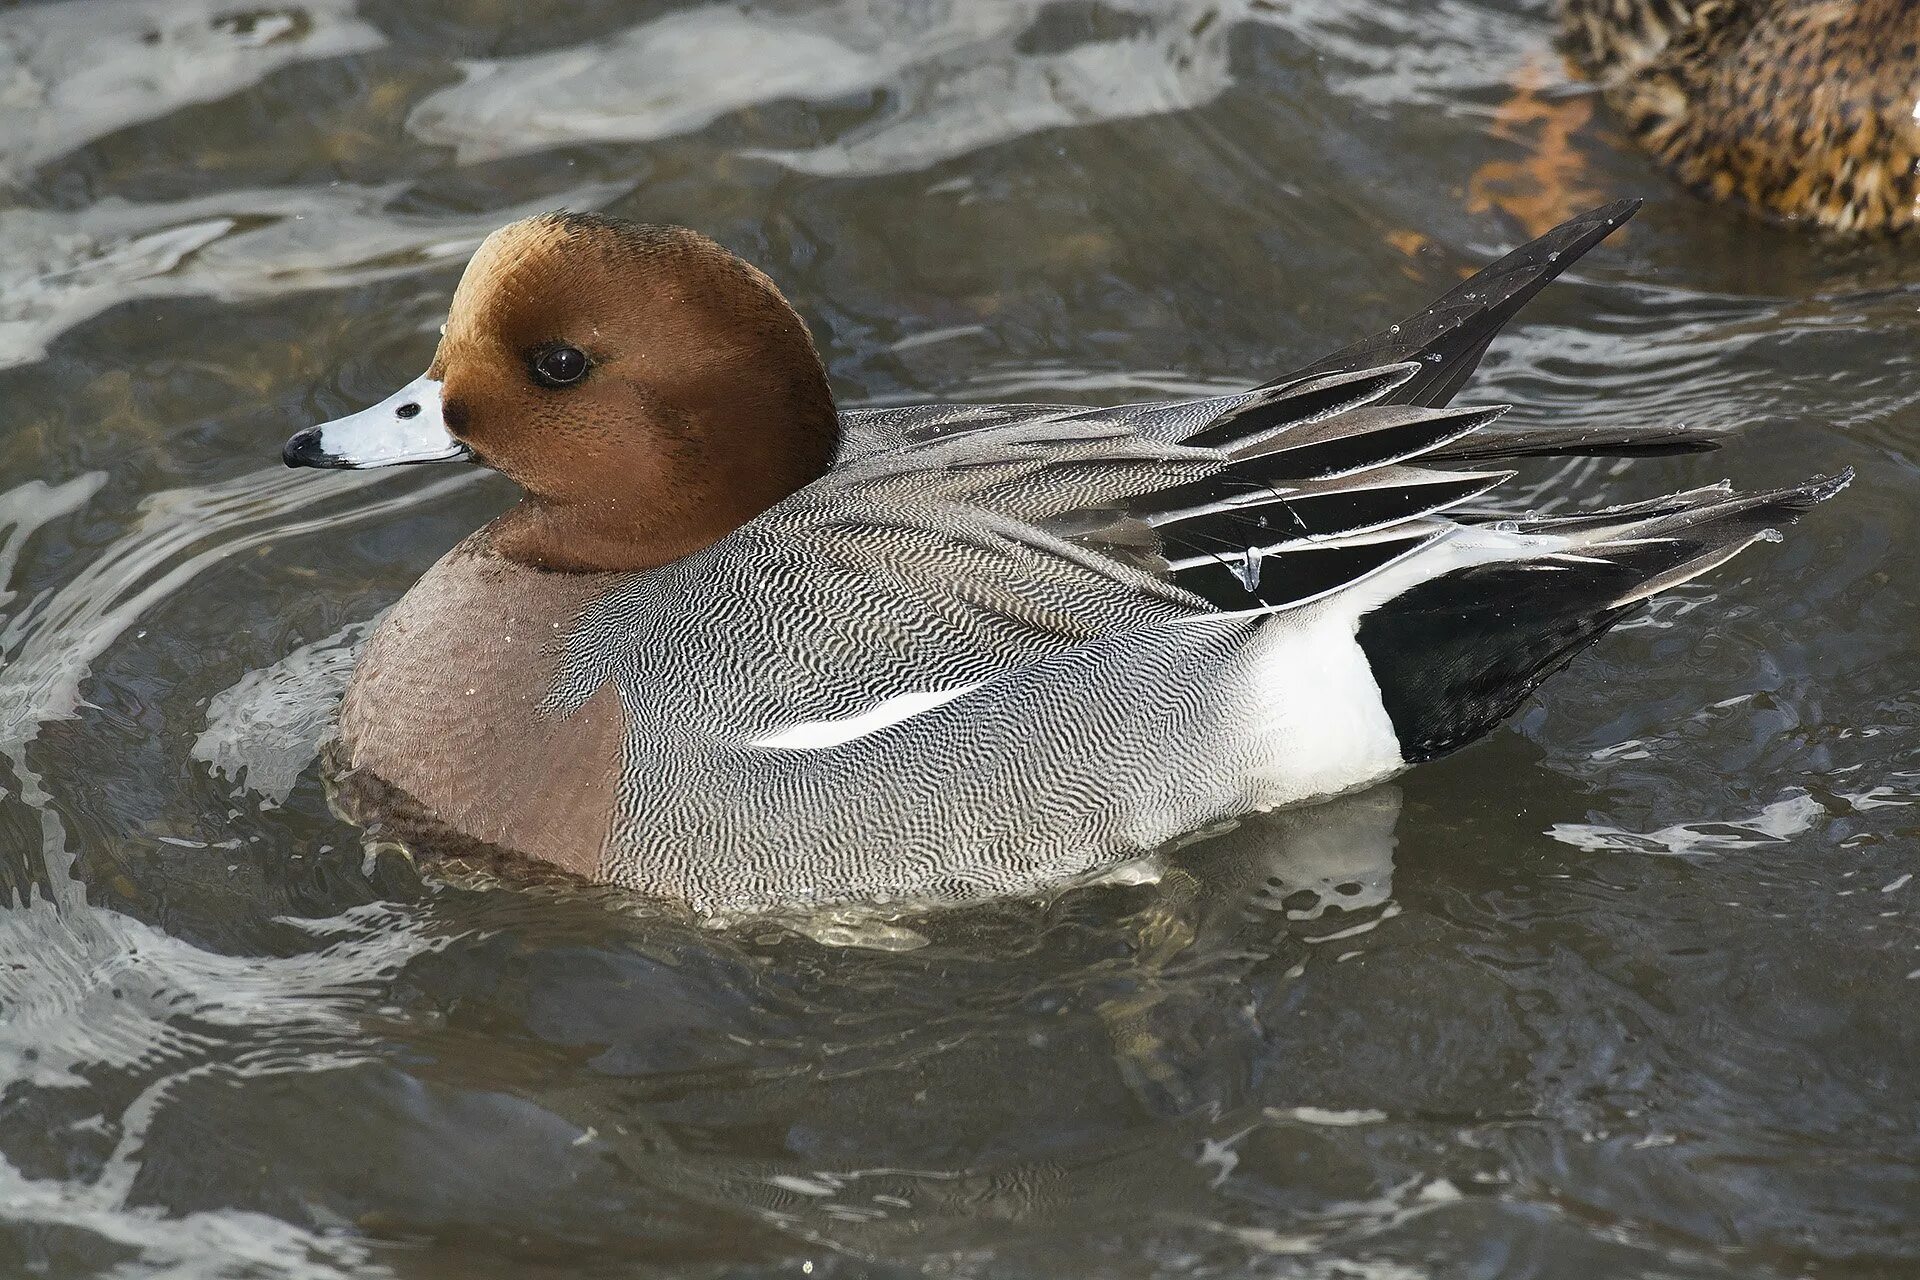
1455,655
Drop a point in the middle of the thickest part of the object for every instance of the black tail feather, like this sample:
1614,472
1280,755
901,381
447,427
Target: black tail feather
1549,442
1455,655
1449,337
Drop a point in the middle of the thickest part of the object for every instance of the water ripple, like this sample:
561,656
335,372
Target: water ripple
70,73
57,270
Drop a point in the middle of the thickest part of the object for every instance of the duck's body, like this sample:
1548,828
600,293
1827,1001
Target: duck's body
1800,109
991,647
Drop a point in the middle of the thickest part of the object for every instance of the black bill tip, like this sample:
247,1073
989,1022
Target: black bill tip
305,450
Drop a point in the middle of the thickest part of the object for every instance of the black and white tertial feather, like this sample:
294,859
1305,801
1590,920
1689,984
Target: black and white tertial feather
998,645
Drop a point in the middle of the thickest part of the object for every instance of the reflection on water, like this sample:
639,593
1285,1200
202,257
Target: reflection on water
948,77
73,73
1620,991
263,732
57,270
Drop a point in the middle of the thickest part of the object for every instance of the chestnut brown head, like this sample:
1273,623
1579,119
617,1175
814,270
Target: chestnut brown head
647,389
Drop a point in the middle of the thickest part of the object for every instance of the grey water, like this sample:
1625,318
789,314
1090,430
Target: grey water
1630,988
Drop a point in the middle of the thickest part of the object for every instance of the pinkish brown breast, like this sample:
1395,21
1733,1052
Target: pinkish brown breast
444,707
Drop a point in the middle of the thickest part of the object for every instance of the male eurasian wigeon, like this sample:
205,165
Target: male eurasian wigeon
739,648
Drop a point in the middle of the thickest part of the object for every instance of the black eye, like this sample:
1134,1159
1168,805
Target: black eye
559,366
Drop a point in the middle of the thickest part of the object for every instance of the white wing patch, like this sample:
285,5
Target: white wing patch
817,734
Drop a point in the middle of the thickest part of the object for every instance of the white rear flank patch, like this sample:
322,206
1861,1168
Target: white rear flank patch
816,734
1317,706
1316,711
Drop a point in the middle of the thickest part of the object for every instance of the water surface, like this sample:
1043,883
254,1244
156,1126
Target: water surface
1625,990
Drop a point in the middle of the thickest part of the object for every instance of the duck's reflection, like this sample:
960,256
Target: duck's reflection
1046,1065
1243,1047
1335,856
555,1074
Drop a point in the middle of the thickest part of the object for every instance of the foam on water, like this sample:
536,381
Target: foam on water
264,731
1775,824
958,75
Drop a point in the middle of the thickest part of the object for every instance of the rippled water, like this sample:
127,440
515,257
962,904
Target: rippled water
1626,990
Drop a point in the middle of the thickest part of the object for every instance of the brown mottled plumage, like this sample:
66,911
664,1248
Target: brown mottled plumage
1800,109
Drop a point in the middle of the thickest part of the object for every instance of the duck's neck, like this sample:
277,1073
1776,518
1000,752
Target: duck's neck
563,540
630,534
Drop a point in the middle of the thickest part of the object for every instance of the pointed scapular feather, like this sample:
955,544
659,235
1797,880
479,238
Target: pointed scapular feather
1274,409
1357,441
1549,442
1255,579
1327,509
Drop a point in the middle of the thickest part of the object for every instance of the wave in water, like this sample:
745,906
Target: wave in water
954,77
57,270
70,73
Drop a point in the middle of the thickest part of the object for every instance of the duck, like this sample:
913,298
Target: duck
739,649
1800,110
